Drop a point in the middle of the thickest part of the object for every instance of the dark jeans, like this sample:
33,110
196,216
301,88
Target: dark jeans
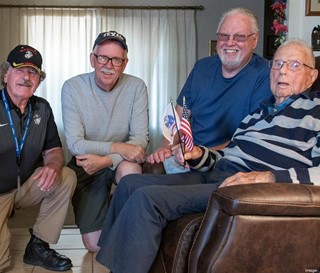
140,209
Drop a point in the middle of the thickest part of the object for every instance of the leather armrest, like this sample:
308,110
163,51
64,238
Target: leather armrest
268,227
177,239
268,199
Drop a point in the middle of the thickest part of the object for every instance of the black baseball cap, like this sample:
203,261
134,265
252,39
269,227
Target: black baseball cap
111,35
25,55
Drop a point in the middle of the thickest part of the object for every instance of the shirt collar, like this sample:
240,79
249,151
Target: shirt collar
270,110
269,102
12,105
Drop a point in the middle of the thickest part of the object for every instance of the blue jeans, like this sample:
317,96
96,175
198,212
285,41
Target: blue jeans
140,209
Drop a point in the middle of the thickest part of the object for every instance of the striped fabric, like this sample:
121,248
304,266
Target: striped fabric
185,128
283,139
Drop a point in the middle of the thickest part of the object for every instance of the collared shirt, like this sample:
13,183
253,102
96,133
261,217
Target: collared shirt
42,135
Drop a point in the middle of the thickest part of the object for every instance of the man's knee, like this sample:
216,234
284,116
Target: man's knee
69,178
126,183
131,182
126,168
90,241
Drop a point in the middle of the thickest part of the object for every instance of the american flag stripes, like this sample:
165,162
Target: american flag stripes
185,128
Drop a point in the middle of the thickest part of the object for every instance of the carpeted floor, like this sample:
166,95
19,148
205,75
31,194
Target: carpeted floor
25,218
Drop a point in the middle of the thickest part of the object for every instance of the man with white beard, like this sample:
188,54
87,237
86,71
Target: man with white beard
222,89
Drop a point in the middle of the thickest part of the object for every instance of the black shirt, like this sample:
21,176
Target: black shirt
42,135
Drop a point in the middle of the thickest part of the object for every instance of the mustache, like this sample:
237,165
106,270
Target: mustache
26,83
107,71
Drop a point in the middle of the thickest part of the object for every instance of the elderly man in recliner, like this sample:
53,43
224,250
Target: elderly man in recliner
279,142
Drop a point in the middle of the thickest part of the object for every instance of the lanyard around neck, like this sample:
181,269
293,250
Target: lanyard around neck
19,147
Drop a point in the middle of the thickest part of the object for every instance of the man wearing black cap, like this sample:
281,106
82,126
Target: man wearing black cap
31,169
105,116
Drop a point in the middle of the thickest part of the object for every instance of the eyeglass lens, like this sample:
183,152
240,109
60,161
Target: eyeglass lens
236,37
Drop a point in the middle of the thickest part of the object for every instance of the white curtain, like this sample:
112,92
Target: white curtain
162,49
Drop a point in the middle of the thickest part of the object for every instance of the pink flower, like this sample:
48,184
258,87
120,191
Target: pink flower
279,28
279,6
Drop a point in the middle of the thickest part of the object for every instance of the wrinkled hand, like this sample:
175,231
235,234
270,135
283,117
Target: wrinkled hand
47,177
179,158
92,163
129,152
159,155
178,155
248,178
195,153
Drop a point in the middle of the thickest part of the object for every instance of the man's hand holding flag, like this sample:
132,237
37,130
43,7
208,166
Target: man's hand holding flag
185,128
171,124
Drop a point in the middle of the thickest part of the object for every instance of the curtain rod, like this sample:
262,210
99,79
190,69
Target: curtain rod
105,7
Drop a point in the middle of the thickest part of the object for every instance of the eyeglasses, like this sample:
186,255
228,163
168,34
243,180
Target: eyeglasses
293,65
239,38
101,59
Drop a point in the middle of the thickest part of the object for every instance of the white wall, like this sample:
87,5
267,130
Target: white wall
299,25
207,19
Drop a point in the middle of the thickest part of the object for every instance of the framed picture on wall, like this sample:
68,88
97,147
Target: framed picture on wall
312,7
212,47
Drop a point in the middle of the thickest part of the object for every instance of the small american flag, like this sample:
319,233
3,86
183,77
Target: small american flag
185,128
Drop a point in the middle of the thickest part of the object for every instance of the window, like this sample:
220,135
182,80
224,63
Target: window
162,49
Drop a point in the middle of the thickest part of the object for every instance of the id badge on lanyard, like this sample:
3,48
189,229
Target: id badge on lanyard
19,147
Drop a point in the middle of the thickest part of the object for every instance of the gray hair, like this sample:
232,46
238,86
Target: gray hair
4,69
243,11
303,45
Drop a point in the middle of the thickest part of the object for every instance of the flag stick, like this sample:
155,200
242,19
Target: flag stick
180,141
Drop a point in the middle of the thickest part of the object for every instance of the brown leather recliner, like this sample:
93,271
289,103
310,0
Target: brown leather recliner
248,228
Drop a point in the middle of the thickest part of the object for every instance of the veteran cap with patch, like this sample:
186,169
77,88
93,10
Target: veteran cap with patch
111,35
25,55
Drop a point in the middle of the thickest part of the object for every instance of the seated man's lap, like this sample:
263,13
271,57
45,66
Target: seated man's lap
91,198
132,182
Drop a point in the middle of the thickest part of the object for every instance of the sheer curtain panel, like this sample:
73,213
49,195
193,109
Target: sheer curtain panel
162,49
